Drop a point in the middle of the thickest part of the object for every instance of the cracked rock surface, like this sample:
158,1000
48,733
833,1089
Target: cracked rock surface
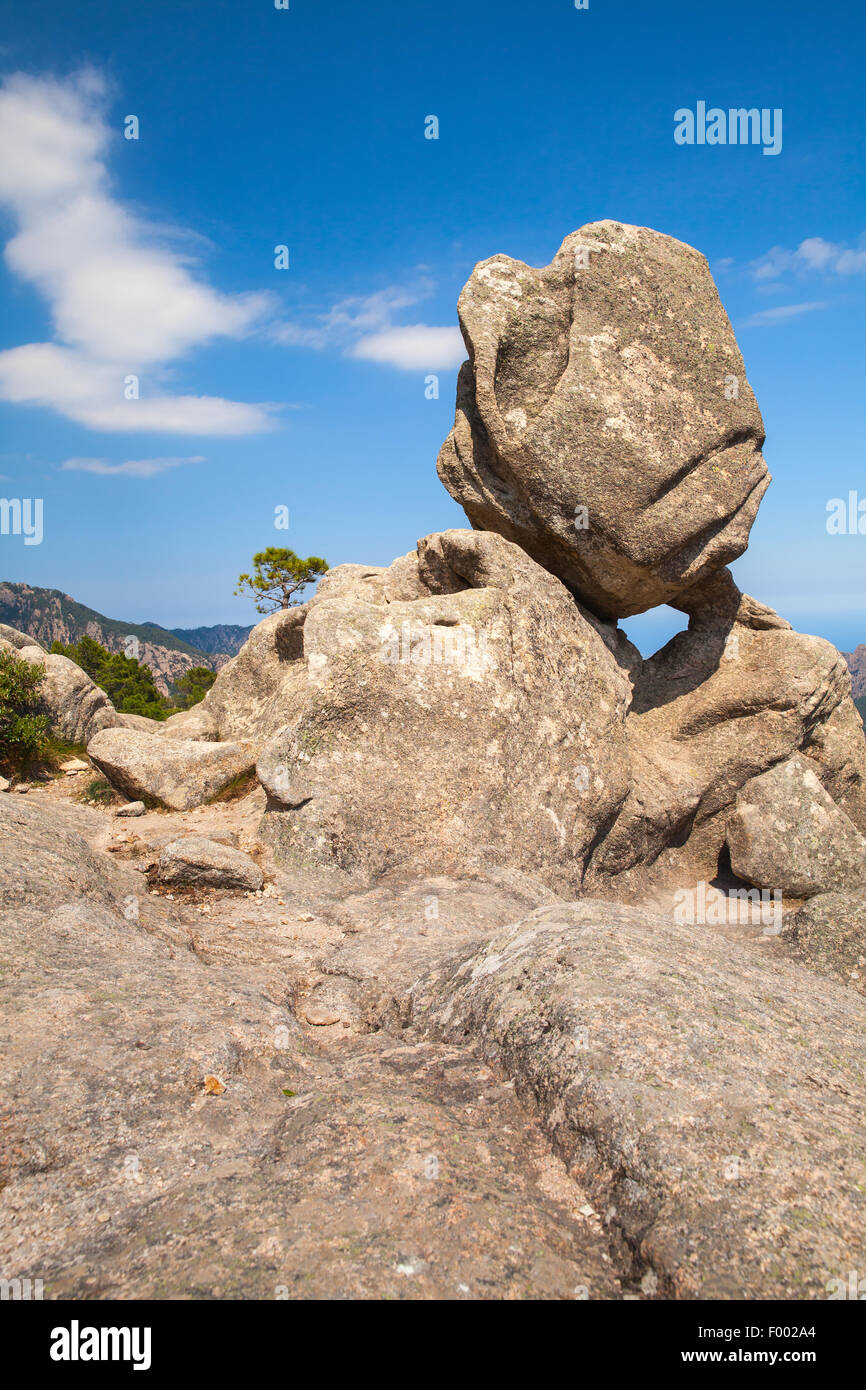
431,1087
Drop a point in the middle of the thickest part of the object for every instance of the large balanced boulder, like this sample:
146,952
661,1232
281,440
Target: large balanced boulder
786,833
481,722
168,772
711,1100
604,421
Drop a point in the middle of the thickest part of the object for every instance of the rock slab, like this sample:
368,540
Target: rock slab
175,773
712,1102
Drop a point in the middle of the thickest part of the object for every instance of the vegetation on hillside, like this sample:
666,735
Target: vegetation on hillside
127,683
194,684
23,729
278,575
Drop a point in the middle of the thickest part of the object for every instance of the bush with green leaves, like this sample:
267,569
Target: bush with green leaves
24,729
127,683
194,684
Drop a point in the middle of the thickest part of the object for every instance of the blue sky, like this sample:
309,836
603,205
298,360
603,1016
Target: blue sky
305,387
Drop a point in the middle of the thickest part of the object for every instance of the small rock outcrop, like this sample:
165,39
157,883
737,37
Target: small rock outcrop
720,704
254,693
787,833
828,934
173,773
480,720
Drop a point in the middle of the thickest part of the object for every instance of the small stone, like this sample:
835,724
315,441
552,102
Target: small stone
23,788
319,1015
203,863
4,785
132,808
73,766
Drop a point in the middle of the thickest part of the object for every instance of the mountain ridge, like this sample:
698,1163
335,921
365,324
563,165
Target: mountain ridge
50,615
220,639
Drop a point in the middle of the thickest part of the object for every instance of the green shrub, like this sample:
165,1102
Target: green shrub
23,729
194,684
98,792
127,683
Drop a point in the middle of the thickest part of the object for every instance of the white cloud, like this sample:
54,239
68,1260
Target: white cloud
414,347
122,300
363,327
782,312
132,468
92,394
813,254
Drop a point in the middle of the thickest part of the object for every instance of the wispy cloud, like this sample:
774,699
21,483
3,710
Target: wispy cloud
123,302
364,327
782,312
812,255
132,468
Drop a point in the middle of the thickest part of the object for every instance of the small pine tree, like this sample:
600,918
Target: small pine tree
278,575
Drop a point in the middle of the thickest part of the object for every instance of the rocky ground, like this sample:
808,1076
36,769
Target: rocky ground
327,1157
419,958
325,1090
